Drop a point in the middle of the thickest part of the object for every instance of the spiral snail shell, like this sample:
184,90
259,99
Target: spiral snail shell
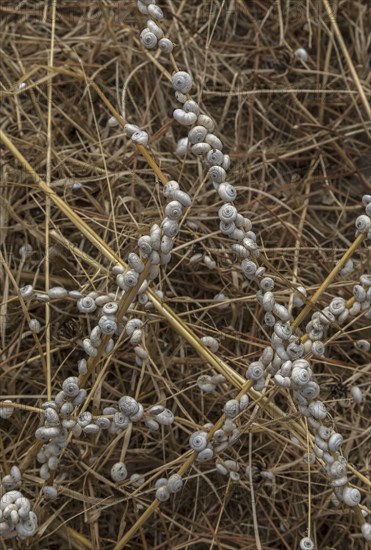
184,118
227,213
255,371
249,268
165,45
173,210
227,192
335,442
197,135
208,123
128,405
351,496
318,410
182,82
300,376
165,418
162,493
363,223
175,483
198,441
148,39
214,157
306,543
153,27
170,228
182,146
217,174
200,149
205,455
86,305
310,390
119,472
231,408
107,325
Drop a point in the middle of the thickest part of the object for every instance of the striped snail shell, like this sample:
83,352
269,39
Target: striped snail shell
128,405
337,306
215,142
86,305
318,410
363,223
148,39
227,213
71,386
153,27
119,472
197,135
144,244
214,157
182,146
200,149
231,408
300,377
205,455
217,174
163,493
165,418
335,442
198,441
173,210
318,348
266,284
211,343
283,330
269,319
130,278
175,483
166,45
306,543
154,11
240,250
191,106
255,371
338,468
182,197
186,119
249,268
351,496
107,325
227,192
135,262
182,82
170,228
207,122
310,390
140,137
227,228
169,188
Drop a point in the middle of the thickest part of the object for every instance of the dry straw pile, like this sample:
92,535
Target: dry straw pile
227,404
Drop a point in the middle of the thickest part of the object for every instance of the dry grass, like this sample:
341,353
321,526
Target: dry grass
298,136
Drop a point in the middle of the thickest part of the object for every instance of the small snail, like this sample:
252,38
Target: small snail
173,210
227,192
153,27
227,213
363,223
57,292
214,157
175,483
205,455
119,472
190,106
351,496
165,418
140,137
231,408
355,391
217,174
144,244
255,371
71,386
170,228
266,284
197,135
318,410
335,442
182,146
200,149
162,493
214,142
128,405
198,441
148,39
165,45
182,82
86,305
50,492
306,543
208,123
249,268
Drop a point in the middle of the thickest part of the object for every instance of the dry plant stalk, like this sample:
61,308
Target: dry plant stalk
288,86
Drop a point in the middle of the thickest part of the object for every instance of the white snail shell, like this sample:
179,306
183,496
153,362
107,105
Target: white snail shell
359,293
204,382
282,381
337,306
198,441
191,106
323,445
28,527
249,268
318,410
170,228
310,390
57,292
107,326
140,137
27,291
227,213
162,493
211,343
86,305
151,424
255,371
355,391
153,27
318,348
119,472
240,250
205,455
135,263
184,199
215,142
266,284
165,418
131,128
281,312
34,326
351,496
173,210
50,492
306,543
182,82
200,149
366,531
175,483
128,405
231,408
166,45
120,420
71,386
138,415
339,481
217,174
227,193
214,157
186,119
300,376
197,135
282,330
170,187
337,468
148,39
80,398
182,146
207,122
363,223
91,429
227,228
335,442
226,162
